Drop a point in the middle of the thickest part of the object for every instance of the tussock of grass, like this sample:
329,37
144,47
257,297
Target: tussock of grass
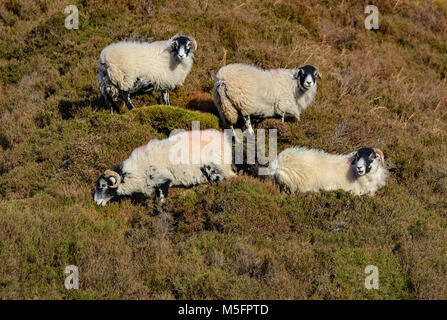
241,238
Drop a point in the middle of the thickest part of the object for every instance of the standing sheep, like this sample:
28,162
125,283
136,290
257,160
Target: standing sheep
302,170
125,68
169,162
248,90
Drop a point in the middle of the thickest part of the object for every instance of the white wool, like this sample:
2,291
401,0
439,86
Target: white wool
151,63
254,91
150,165
303,170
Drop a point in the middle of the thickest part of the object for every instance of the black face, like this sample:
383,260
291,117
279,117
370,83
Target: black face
307,77
181,47
104,193
365,160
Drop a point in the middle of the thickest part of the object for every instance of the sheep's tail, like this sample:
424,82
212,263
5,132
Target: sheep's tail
226,109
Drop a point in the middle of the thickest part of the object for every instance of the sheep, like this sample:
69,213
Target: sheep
170,162
302,170
248,90
126,68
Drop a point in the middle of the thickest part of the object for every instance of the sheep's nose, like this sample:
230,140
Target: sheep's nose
308,83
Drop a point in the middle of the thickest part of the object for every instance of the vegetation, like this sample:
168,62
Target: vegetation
241,238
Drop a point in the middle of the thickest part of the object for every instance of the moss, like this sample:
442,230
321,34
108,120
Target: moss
166,118
13,72
229,38
392,284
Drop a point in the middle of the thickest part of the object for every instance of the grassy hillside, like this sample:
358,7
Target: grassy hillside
241,238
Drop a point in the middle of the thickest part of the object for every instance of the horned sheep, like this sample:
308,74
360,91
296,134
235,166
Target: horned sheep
302,170
126,68
248,90
170,162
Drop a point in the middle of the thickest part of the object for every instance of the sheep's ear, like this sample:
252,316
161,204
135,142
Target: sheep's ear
297,73
352,157
318,75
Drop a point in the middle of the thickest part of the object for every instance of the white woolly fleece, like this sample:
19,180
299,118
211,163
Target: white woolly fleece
303,170
155,163
253,91
150,63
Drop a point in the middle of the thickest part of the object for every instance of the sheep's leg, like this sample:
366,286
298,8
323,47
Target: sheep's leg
282,117
225,124
236,137
248,125
126,98
163,190
108,103
165,94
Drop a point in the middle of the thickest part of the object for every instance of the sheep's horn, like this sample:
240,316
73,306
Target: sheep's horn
194,42
380,152
172,39
109,174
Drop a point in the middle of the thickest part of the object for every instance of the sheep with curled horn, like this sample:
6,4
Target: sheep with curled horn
160,164
246,90
302,170
127,67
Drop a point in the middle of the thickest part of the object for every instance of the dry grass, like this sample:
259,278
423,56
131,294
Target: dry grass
242,238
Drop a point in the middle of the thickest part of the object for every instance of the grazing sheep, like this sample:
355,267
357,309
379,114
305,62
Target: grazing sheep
130,67
184,159
301,170
248,90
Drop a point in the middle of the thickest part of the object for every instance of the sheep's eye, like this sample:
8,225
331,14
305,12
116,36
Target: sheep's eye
103,185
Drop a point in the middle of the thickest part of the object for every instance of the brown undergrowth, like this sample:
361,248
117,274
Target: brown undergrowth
241,238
